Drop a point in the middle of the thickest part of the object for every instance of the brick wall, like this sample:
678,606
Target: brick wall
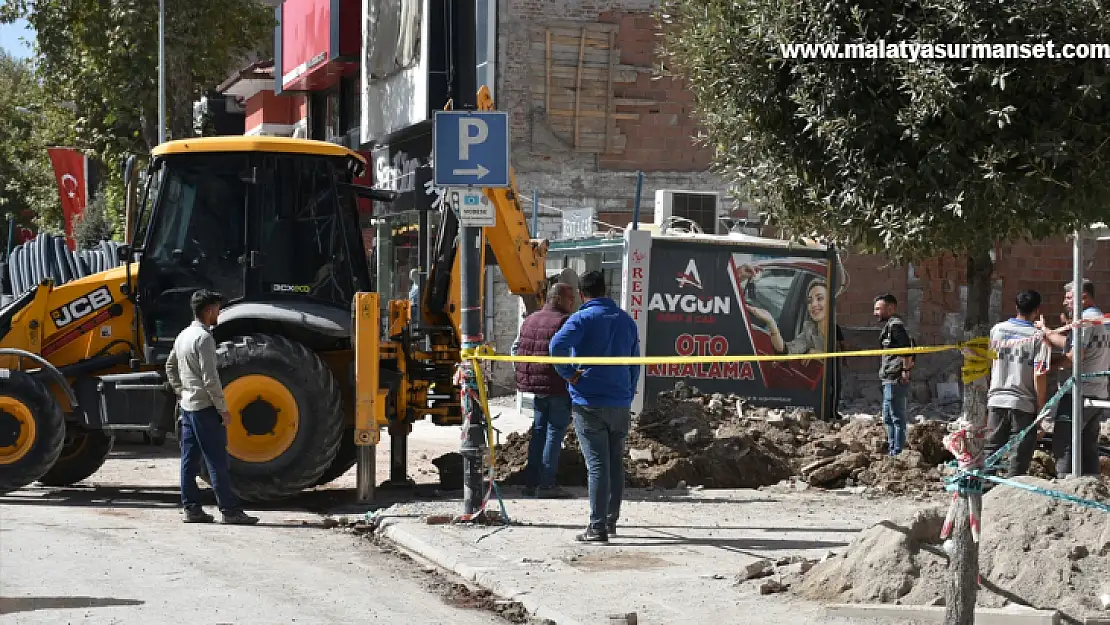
933,299
660,142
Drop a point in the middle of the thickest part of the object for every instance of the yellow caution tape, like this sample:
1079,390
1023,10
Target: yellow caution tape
977,357
479,379
487,353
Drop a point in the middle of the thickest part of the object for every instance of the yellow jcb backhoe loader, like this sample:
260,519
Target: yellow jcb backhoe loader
272,224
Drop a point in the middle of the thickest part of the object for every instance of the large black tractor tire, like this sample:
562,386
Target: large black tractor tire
32,430
345,458
286,416
83,453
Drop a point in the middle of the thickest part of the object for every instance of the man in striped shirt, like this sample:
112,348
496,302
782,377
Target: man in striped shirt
1018,387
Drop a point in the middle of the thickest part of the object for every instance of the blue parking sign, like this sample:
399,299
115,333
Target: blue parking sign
471,149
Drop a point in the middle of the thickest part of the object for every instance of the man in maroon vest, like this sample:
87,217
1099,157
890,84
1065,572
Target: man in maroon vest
552,400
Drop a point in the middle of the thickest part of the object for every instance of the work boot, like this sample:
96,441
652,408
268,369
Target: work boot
197,515
611,529
592,536
239,518
554,492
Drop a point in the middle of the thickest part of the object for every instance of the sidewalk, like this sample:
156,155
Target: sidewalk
673,563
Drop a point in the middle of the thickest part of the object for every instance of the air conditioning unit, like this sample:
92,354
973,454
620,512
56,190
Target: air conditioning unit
701,207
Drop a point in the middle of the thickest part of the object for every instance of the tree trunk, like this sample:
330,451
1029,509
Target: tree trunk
963,562
963,565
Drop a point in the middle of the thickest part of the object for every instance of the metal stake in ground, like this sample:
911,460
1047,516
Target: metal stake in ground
1077,358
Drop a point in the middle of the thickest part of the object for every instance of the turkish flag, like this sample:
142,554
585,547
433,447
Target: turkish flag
71,170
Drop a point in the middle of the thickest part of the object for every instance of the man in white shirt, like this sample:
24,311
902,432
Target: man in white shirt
192,372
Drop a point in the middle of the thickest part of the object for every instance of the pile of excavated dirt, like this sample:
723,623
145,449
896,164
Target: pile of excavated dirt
1034,551
717,441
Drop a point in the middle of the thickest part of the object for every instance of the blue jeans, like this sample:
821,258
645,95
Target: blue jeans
894,414
204,436
601,433
551,418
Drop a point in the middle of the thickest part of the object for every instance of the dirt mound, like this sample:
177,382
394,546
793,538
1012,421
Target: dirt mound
512,459
1034,551
717,441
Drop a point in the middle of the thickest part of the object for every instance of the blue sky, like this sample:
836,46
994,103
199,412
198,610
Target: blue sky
10,35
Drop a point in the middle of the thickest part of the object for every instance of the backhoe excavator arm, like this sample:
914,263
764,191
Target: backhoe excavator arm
520,257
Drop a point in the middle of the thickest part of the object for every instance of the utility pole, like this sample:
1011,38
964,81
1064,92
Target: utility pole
474,444
1077,357
161,71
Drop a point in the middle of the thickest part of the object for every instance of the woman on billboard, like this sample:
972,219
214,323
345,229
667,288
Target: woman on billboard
812,337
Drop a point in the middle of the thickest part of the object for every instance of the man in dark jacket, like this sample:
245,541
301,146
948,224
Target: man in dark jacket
894,371
601,397
551,415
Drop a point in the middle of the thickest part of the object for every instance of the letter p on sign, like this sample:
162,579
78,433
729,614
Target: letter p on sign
472,131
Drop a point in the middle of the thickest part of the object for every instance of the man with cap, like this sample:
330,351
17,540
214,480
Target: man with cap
193,375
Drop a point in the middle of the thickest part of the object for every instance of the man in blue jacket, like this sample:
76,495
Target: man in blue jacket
601,396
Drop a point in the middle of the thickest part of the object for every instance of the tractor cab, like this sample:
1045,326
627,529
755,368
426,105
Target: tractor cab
270,223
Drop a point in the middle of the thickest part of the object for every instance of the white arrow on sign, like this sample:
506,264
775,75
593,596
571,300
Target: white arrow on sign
478,172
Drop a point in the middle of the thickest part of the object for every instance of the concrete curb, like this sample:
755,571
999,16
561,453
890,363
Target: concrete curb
935,614
396,533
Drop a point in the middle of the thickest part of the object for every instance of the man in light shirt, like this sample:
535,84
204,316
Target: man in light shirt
1095,358
191,369
1018,389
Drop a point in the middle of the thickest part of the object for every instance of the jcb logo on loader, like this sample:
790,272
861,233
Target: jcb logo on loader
81,307
291,288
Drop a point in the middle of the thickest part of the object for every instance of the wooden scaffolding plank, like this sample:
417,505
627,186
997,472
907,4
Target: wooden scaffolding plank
593,36
567,56
623,75
592,102
578,87
591,42
609,88
547,59
574,26
588,114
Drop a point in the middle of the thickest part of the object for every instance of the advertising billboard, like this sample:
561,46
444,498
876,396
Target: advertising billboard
725,300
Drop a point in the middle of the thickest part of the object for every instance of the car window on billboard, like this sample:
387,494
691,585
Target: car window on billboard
393,37
768,290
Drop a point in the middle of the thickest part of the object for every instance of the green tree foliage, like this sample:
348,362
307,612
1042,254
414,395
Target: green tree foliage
911,159
102,56
96,224
29,123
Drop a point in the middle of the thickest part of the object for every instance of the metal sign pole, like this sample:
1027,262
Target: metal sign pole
474,445
1077,358
161,71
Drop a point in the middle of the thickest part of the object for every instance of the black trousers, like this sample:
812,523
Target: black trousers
1061,438
1005,423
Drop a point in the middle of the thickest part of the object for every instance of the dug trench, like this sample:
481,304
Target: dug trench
717,441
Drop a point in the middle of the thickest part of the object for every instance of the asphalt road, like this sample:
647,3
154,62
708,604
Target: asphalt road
120,555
